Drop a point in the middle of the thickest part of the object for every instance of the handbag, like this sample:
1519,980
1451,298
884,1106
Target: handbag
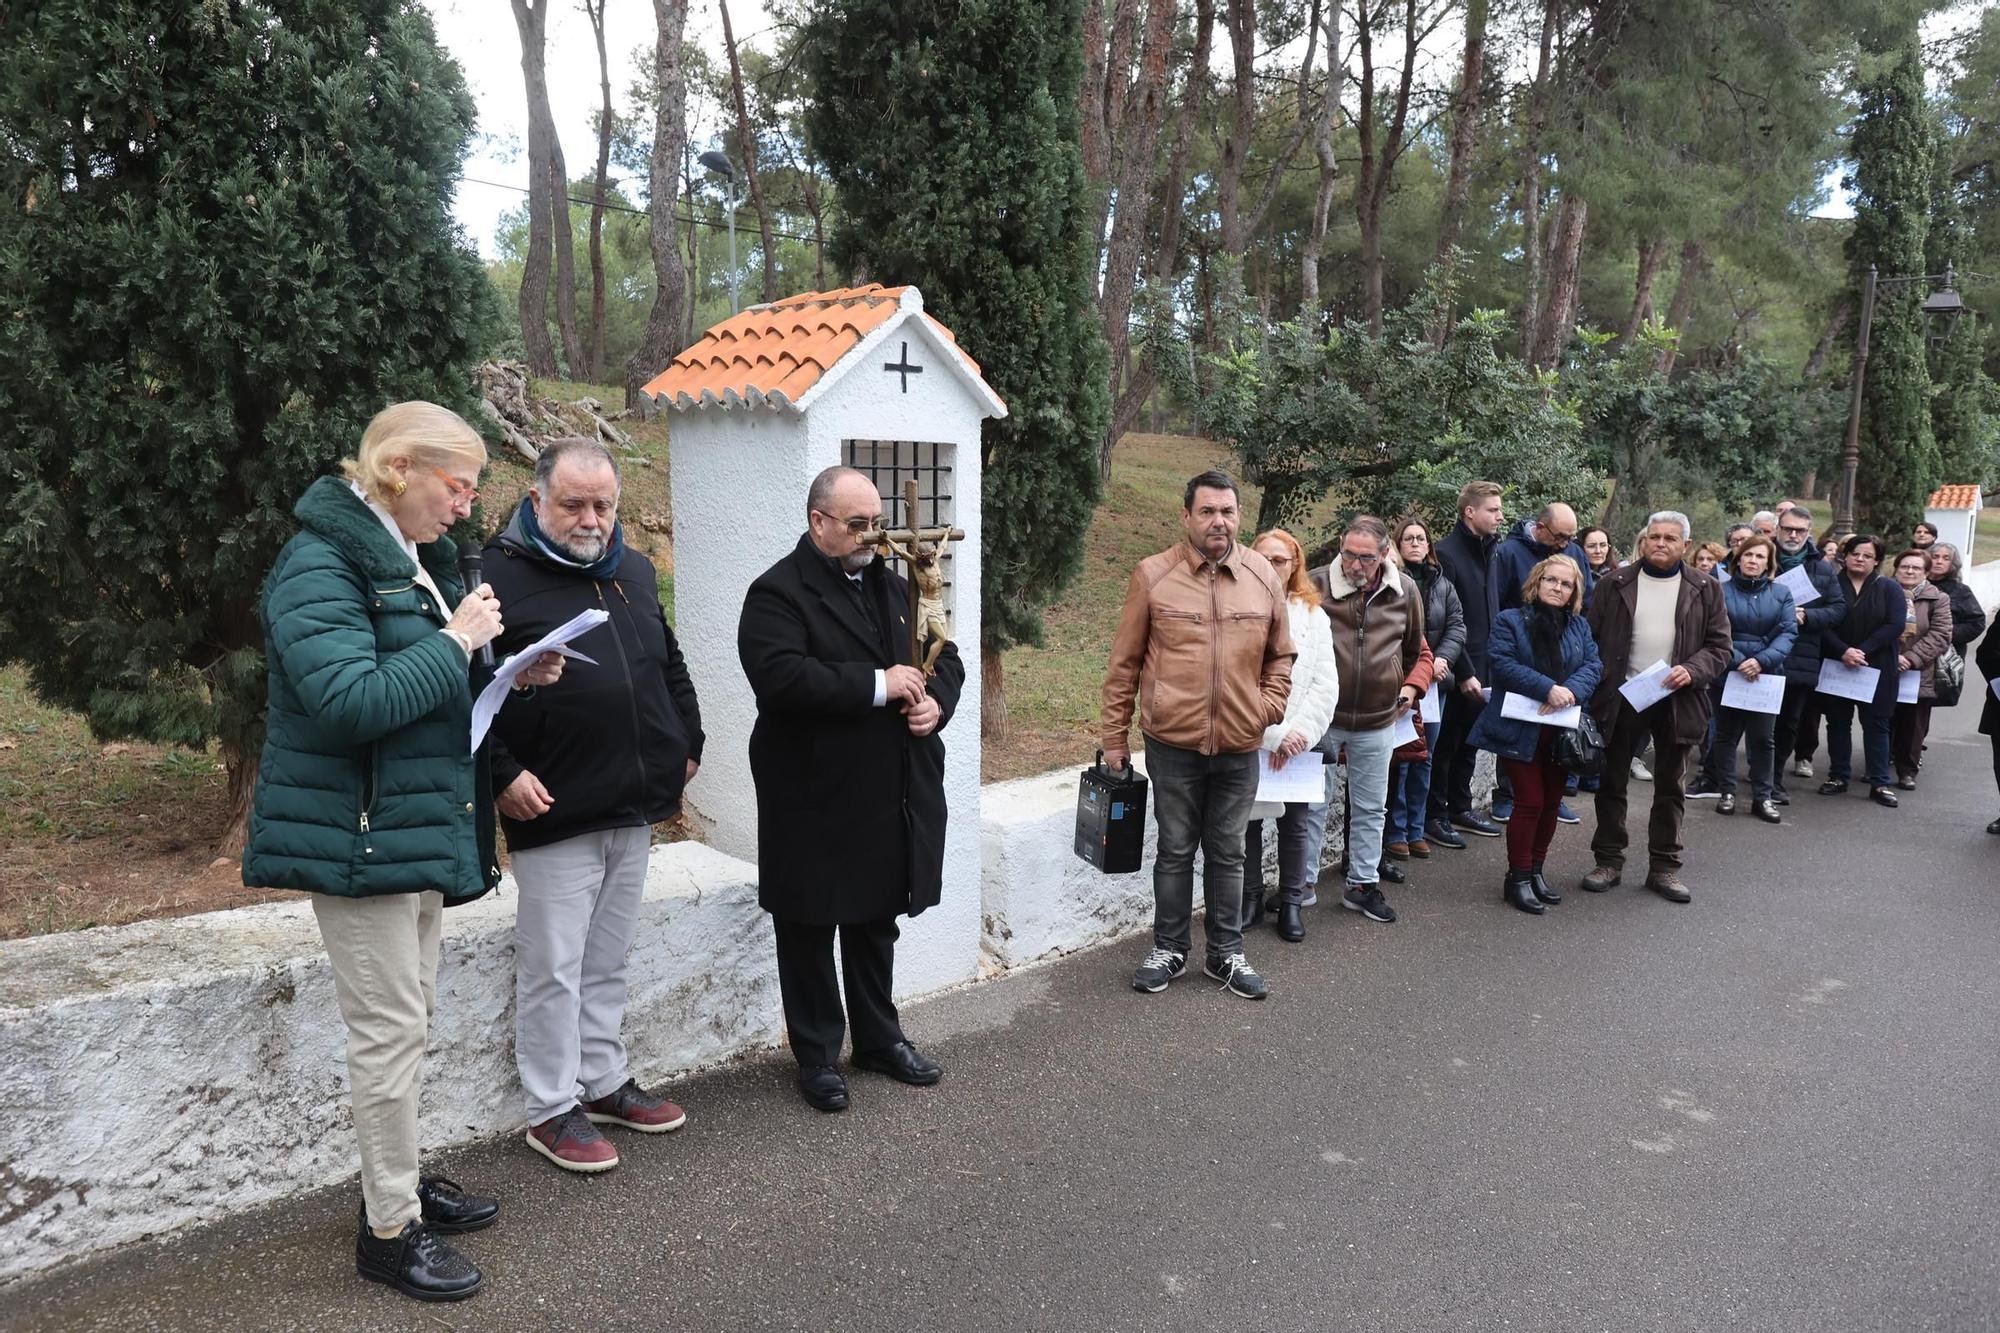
1581,750
1950,676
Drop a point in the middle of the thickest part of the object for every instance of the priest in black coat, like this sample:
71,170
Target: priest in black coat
849,768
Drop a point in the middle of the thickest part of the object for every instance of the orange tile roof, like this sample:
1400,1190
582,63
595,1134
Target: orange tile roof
1954,497
778,351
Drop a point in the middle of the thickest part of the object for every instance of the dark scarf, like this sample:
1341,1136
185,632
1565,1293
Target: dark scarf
531,536
1787,563
1546,625
1650,572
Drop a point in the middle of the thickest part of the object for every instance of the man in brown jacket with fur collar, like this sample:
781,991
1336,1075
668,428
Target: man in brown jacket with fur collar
1204,648
1654,609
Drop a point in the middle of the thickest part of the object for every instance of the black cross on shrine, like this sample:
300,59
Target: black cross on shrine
904,368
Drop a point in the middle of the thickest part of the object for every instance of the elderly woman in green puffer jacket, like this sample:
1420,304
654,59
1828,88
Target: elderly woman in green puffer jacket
369,796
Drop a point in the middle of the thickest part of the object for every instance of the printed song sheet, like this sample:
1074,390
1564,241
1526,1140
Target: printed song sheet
1644,690
1766,694
1845,682
1303,778
1521,707
487,706
1800,584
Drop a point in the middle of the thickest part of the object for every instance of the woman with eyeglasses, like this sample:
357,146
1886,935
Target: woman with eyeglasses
1927,633
1542,650
369,797
1867,635
1444,630
1308,712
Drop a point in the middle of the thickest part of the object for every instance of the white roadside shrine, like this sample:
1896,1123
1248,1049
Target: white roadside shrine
759,405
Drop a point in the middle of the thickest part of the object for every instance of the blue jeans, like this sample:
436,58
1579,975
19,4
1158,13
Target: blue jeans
1367,799
1839,714
1199,801
1410,792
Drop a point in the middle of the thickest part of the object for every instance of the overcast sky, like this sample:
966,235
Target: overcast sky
482,36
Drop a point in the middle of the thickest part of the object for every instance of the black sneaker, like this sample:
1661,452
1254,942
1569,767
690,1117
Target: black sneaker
1160,967
419,1263
450,1210
1701,789
1237,976
1368,900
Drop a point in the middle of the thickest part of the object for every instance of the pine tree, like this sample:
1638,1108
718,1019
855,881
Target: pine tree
1895,148
1960,384
225,246
950,130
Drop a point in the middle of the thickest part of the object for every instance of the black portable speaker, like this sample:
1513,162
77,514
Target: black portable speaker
1111,818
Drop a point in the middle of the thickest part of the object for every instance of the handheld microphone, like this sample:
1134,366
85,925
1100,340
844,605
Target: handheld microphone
471,570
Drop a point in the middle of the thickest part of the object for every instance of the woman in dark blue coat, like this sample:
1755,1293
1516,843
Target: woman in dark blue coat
1866,636
1542,649
1762,626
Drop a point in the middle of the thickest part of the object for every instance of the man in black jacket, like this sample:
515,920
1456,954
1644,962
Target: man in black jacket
849,769
1466,555
580,775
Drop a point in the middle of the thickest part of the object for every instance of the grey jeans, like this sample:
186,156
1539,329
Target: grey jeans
1199,801
579,907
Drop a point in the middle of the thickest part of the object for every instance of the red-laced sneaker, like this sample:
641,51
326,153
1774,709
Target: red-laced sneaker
572,1142
635,1108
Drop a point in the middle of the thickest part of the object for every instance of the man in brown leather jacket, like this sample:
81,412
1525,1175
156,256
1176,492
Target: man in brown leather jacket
1203,647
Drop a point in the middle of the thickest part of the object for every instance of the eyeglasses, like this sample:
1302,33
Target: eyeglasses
460,492
856,525
1276,560
1794,532
1353,559
1565,584
1557,538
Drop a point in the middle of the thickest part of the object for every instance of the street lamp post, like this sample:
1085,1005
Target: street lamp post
720,164
1943,304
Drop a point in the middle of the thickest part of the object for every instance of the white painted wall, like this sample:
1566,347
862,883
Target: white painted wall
1955,527
740,476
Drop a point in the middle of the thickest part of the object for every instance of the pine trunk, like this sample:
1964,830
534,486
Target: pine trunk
1824,347
241,766
533,305
1650,253
1464,131
1531,189
600,181
1680,312
1559,315
996,725
746,148
663,323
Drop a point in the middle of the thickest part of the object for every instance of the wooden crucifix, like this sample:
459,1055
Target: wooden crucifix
919,549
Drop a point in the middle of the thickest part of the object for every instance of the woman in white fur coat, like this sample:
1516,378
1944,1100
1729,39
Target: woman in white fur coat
1308,712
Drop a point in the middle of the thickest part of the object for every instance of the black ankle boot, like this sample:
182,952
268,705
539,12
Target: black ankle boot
1291,923
417,1263
1253,908
1519,891
1543,889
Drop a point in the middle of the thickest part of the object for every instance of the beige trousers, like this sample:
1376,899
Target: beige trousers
384,952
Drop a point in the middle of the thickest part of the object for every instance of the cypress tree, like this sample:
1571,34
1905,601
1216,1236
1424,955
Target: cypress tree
225,246
1895,150
1960,385
950,130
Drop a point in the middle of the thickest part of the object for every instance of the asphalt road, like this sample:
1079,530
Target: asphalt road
1772,1109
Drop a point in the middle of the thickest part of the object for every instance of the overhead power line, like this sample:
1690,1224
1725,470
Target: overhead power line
639,212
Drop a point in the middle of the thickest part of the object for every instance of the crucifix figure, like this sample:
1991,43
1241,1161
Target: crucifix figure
919,548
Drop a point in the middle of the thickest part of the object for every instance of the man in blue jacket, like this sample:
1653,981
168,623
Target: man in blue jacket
1551,532
1796,734
1465,555
580,775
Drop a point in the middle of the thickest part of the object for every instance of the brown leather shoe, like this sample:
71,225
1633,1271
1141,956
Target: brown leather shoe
1399,850
1421,850
1667,886
1601,880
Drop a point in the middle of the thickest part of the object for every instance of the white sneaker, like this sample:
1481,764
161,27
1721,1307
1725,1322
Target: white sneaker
1640,773
1802,768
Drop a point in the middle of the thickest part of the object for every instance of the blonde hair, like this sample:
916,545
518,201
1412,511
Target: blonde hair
424,433
1531,591
1298,587
1715,551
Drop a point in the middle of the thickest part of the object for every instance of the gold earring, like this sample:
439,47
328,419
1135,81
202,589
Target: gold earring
401,486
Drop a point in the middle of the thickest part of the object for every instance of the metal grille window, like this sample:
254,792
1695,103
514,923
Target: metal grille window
889,463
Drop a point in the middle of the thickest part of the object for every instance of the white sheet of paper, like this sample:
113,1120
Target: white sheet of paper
1907,685
1845,682
1766,694
1530,710
1486,694
1403,730
487,706
1644,690
1302,778
1430,705
1800,584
